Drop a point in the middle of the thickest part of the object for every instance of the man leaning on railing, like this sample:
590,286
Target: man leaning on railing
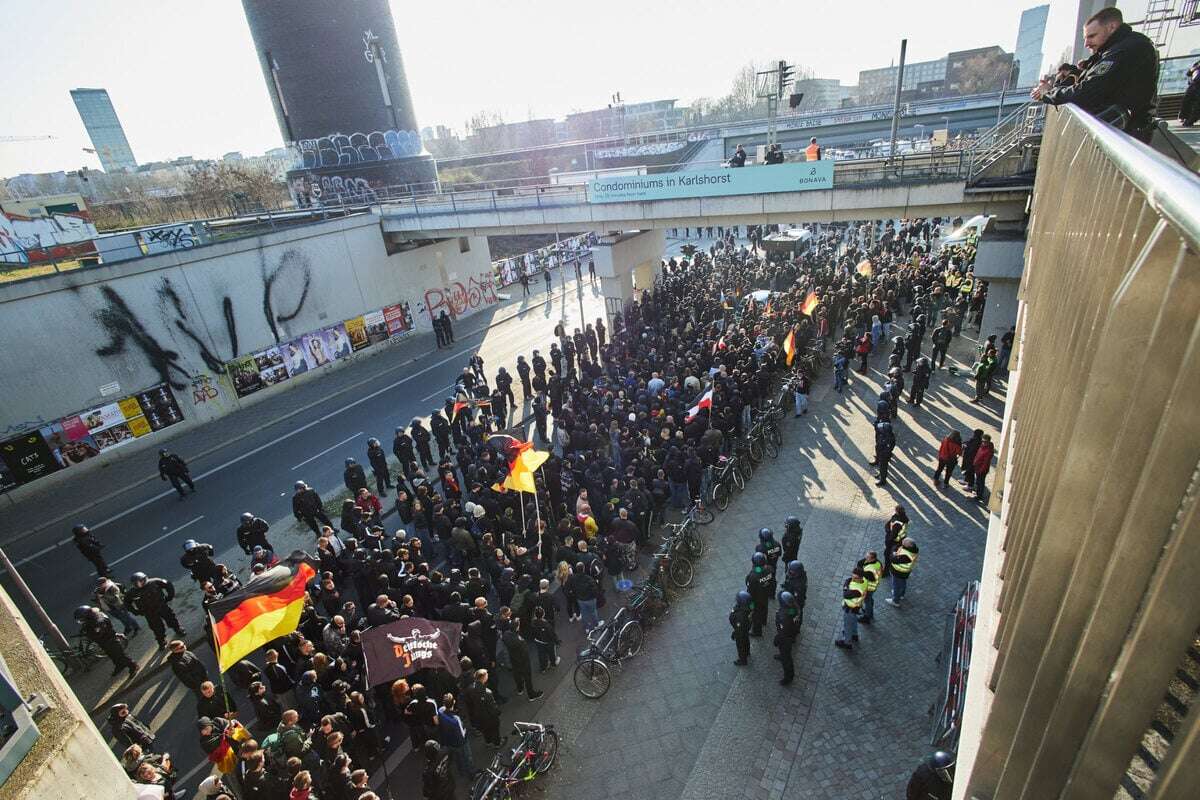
1119,81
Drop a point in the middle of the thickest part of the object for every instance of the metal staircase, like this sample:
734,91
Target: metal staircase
1009,147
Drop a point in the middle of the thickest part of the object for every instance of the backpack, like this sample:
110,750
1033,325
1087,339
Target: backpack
272,747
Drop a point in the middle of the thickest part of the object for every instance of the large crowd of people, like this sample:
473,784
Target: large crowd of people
616,406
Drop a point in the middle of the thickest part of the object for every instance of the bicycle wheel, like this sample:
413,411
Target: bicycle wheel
720,495
629,640
747,469
703,515
592,678
486,787
756,449
695,543
771,448
739,482
547,752
681,572
774,435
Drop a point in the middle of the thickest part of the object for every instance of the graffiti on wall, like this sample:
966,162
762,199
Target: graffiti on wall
332,188
30,240
293,271
458,298
204,389
358,148
174,237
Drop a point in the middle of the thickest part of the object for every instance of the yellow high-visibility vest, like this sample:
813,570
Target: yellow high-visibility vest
906,567
872,572
856,602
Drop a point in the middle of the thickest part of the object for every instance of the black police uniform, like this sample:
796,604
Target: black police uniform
99,629
798,586
152,600
790,543
786,631
761,585
91,548
253,534
739,620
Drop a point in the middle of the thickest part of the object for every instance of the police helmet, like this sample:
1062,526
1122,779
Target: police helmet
758,560
300,485
792,522
432,749
349,461
507,574
399,431
787,599
247,517
743,598
765,534
83,612
372,442
190,544
352,543
794,568
79,530
942,762
138,578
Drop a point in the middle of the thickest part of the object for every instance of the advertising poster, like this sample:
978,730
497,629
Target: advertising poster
337,341
103,417
27,457
129,407
67,451
356,329
377,330
244,374
270,364
159,407
74,429
294,357
7,481
138,426
397,319
315,350
115,436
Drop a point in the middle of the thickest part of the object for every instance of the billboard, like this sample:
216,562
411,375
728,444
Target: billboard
799,177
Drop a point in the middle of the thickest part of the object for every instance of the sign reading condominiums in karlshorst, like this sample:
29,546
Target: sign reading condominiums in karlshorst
713,182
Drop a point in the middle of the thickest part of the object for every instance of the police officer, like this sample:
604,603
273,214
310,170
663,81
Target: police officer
933,779
872,569
437,780
252,532
854,594
151,598
786,630
912,345
198,560
421,439
377,458
941,341
354,476
402,448
1122,72
173,468
922,368
91,548
885,443
796,582
761,585
769,548
307,507
98,628
504,383
523,373
739,620
790,543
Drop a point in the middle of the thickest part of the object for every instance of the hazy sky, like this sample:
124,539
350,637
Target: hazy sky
185,81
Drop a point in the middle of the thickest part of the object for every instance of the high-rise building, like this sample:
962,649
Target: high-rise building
336,79
1028,52
879,85
104,129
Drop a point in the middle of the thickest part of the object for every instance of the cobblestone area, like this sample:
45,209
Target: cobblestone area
681,721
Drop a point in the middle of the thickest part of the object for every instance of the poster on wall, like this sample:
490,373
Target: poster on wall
68,452
315,349
270,364
295,357
377,330
99,419
115,436
7,481
398,319
244,374
337,341
356,329
28,457
159,407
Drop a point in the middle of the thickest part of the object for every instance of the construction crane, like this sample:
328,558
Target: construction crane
10,139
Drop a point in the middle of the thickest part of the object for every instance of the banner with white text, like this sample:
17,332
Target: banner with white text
799,177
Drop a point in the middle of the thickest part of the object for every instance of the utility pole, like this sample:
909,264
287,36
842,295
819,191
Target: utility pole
771,85
896,105
56,636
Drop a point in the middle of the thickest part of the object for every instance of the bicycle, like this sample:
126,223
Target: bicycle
609,644
700,514
672,565
728,477
685,538
81,656
534,755
648,604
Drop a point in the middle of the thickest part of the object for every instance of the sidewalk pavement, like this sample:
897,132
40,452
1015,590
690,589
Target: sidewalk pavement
25,509
682,722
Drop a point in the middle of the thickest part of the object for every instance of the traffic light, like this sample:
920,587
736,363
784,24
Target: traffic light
785,77
795,99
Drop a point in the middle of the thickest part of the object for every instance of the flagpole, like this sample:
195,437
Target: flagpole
538,511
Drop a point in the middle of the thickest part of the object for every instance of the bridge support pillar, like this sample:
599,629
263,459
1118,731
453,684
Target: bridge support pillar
626,260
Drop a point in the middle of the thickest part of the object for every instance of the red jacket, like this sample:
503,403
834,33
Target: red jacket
983,458
950,450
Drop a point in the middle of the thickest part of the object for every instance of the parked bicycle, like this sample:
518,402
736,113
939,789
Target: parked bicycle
81,656
729,476
648,603
609,644
685,538
533,755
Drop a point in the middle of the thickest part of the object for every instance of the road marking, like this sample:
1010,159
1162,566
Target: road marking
437,392
260,448
191,773
156,541
327,449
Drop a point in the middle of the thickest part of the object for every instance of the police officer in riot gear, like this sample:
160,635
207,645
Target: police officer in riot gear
252,532
760,582
98,628
796,582
933,779
91,548
198,560
354,476
787,628
769,548
151,598
790,543
377,458
739,620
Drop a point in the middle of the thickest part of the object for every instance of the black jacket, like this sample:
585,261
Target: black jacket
1124,74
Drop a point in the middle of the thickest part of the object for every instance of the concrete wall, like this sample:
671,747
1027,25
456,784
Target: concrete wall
179,316
1000,261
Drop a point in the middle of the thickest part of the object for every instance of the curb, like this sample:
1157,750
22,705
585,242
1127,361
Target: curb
209,451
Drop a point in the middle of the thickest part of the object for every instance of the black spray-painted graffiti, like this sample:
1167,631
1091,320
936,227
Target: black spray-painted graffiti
293,269
292,263
340,149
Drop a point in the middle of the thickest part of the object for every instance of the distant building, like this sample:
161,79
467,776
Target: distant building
822,94
104,129
627,119
1172,76
232,155
879,85
1028,52
979,70
512,136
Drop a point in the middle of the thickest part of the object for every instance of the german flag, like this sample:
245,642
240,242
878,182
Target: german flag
864,268
810,304
267,607
789,346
